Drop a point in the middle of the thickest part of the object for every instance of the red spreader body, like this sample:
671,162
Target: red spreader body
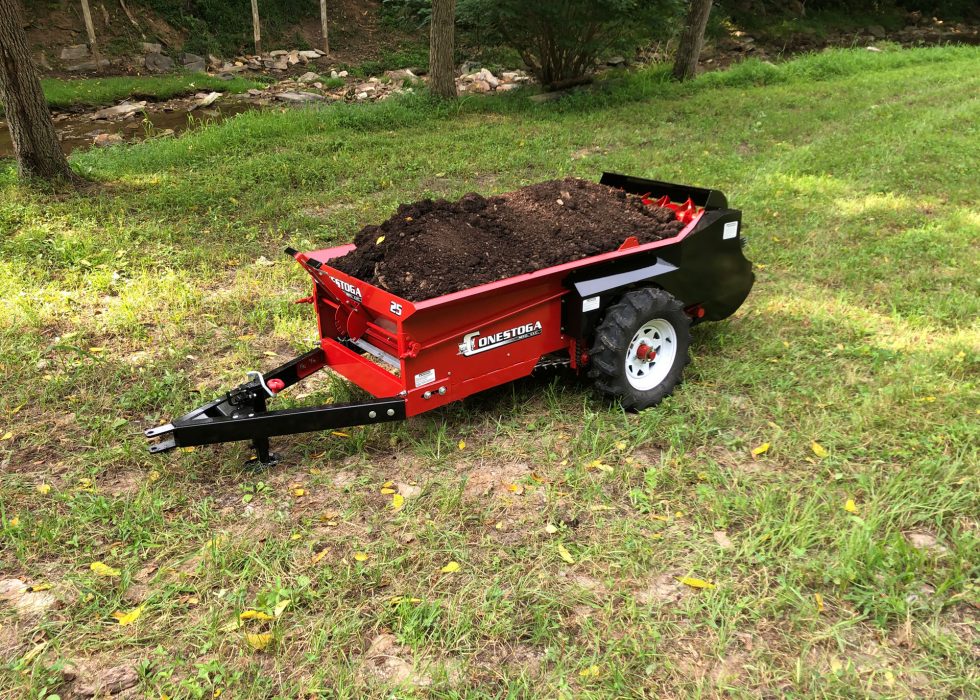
415,356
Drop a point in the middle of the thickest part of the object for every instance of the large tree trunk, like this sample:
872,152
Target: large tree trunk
35,143
442,37
692,40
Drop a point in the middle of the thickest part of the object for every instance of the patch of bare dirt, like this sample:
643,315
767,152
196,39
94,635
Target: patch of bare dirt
388,662
25,600
501,478
664,589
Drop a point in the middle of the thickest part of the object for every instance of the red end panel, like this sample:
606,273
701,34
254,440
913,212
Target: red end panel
360,370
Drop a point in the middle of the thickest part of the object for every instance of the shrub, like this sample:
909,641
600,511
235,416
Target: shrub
560,40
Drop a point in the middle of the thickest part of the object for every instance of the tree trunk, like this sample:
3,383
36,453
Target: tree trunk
256,27
323,26
442,37
36,146
692,40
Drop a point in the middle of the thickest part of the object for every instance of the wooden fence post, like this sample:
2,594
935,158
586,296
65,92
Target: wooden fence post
323,24
90,28
256,30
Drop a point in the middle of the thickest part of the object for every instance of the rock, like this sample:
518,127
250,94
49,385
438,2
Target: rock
400,76
158,62
103,140
89,65
468,67
310,77
193,62
73,53
616,61
278,52
873,49
206,101
342,74
253,92
488,77
292,58
109,682
509,76
150,47
877,31
480,86
282,63
362,95
925,541
120,111
408,490
298,97
507,87
25,601
311,55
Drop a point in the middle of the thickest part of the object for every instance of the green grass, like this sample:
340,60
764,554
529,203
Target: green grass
98,92
856,175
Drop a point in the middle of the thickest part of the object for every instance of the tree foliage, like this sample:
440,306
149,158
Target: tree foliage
560,40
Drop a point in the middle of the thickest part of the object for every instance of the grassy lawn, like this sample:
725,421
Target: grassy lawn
857,176
98,92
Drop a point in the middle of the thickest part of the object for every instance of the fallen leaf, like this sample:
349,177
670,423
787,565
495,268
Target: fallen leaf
101,569
388,491
835,665
387,484
259,641
450,567
14,521
851,506
6,436
589,672
129,617
381,239
696,582
620,445
296,536
819,598
397,501
281,607
761,449
515,488
255,615
44,489
550,529
461,444
819,450
361,556
299,493
154,476
339,433
38,587
565,554
318,556
231,626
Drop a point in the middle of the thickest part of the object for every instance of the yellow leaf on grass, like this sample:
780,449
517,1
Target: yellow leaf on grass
851,506
231,626
129,617
620,445
550,529
361,556
835,665
819,598
101,569
318,556
43,489
339,433
154,476
387,491
381,239
819,450
281,607
299,493
387,484
515,488
450,567
696,582
38,587
589,672
259,641
296,536
461,444
565,554
14,522
255,615
16,409
397,501
761,449
6,436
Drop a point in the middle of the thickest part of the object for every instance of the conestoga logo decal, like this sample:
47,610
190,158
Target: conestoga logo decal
474,343
348,288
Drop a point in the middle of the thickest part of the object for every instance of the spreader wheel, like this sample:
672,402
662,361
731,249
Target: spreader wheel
640,348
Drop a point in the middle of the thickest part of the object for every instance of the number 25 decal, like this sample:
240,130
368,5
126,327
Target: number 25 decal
396,308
